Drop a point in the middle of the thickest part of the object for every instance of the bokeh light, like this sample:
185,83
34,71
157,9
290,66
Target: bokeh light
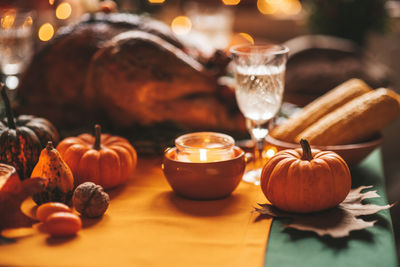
271,7
51,2
231,2
247,37
265,7
292,7
63,10
7,21
28,22
181,25
269,152
46,32
238,39
12,82
156,1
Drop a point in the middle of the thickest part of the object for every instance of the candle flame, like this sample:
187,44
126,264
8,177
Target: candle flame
203,154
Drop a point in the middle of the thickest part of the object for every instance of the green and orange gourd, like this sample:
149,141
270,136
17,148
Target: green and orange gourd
22,139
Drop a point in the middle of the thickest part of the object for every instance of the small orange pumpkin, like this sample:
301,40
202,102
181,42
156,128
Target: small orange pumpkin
305,180
102,159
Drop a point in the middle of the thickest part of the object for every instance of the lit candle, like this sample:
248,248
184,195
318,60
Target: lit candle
204,147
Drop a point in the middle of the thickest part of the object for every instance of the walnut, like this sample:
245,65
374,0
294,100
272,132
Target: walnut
90,200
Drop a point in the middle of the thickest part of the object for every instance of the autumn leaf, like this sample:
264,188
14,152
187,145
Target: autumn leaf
10,202
336,222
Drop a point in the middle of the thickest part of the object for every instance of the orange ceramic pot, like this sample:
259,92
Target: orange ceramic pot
204,180
9,179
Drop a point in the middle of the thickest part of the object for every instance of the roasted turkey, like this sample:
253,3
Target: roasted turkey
125,71
134,76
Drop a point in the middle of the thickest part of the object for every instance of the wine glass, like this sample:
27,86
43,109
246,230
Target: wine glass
16,43
260,75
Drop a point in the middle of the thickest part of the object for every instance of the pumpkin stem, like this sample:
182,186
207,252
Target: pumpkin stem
307,155
49,146
97,135
10,117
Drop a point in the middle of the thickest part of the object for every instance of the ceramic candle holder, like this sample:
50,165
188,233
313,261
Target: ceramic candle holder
9,180
209,174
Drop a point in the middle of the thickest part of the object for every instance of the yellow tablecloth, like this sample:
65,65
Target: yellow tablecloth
148,225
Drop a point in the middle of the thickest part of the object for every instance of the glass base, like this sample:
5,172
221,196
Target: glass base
252,176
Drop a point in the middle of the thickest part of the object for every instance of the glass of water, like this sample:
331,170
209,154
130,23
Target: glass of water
260,75
16,43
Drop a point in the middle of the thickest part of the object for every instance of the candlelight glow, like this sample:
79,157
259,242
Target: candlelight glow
270,7
46,32
28,22
270,152
181,25
63,11
156,1
247,37
240,38
266,7
292,7
51,2
231,2
7,21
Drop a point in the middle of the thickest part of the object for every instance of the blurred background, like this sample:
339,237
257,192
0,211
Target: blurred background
330,41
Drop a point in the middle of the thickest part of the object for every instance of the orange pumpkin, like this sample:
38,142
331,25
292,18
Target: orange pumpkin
102,159
305,180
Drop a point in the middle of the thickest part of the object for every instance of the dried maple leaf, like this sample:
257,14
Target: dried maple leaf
336,222
10,202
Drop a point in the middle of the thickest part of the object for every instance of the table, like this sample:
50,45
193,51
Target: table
110,241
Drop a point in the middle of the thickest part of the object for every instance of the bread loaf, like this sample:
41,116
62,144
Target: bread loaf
354,121
323,105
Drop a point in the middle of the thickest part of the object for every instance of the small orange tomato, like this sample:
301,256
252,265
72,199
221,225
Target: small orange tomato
45,210
63,224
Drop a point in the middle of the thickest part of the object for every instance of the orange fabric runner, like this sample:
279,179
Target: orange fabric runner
148,225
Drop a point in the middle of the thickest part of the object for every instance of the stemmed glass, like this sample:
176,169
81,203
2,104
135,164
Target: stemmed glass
259,74
16,43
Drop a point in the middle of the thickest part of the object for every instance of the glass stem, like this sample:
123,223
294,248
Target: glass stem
258,150
258,132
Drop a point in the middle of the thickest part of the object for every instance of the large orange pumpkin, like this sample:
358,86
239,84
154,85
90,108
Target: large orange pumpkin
102,159
305,180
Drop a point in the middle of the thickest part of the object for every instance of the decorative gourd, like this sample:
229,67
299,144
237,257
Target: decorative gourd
103,159
22,139
59,183
305,180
